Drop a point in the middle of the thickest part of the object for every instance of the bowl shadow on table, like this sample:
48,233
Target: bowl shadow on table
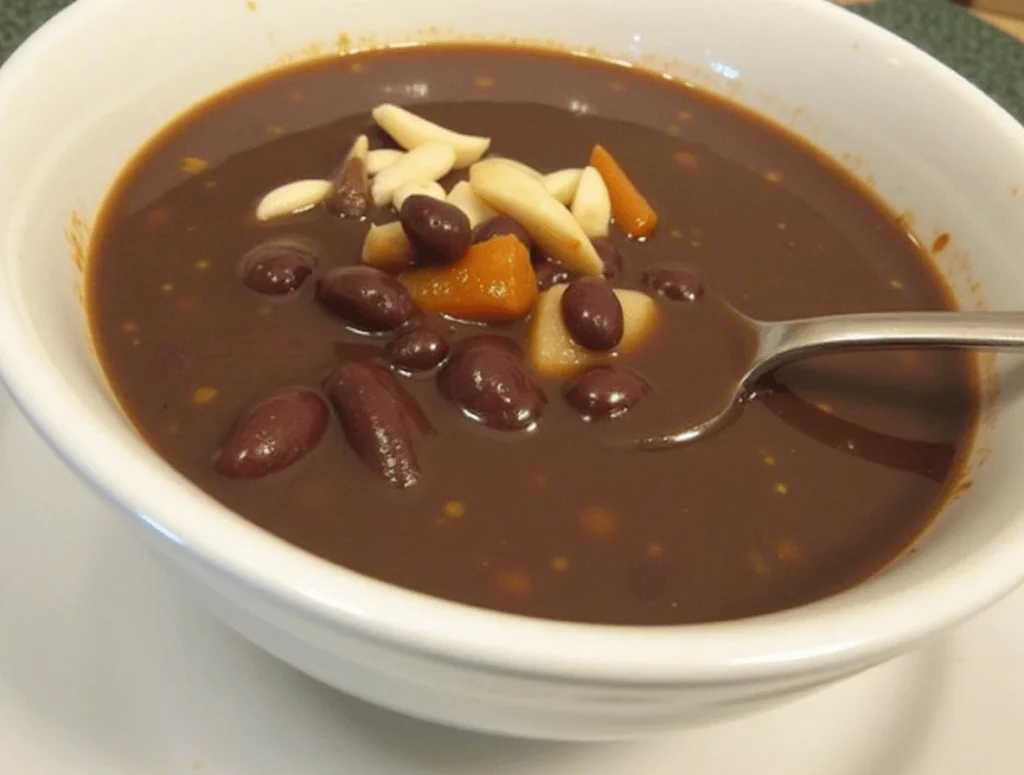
179,692
401,744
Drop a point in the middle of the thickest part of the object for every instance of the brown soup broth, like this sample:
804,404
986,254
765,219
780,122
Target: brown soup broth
825,477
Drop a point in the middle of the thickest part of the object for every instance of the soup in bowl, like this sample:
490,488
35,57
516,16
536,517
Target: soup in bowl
357,338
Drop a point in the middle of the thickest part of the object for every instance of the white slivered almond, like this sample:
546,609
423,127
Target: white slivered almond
292,198
360,149
562,184
381,159
411,131
515,165
430,188
548,222
591,205
552,350
387,248
476,209
428,162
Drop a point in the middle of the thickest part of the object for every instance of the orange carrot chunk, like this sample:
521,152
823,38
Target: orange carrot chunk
493,283
633,214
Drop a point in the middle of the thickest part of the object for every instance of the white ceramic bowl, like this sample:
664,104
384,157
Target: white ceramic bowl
82,96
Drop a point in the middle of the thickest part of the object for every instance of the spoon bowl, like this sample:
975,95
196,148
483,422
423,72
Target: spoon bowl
784,341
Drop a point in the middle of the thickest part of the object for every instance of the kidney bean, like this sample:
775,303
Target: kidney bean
276,433
276,268
673,282
484,378
380,419
418,349
605,392
610,256
439,232
499,227
592,313
366,298
550,271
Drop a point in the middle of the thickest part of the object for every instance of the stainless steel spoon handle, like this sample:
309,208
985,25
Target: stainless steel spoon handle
787,340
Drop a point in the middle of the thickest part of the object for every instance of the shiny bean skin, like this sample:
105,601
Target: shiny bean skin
366,298
499,227
439,231
276,433
484,378
550,271
610,256
417,350
673,282
605,392
592,313
381,421
277,268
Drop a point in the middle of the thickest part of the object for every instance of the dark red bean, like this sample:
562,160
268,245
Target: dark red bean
366,298
276,433
605,392
550,271
499,227
381,421
674,282
592,313
439,232
277,268
609,255
484,378
350,197
418,349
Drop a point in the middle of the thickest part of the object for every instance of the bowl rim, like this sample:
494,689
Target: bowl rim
821,636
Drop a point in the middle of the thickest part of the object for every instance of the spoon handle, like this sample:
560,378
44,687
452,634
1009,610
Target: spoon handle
791,339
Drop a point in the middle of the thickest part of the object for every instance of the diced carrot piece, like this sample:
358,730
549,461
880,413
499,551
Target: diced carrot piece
493,283
633,214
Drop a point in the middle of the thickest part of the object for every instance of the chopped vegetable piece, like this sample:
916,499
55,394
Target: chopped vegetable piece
387,247
552,350
633,214
494,282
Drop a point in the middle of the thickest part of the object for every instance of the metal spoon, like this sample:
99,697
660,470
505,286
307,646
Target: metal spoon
788,340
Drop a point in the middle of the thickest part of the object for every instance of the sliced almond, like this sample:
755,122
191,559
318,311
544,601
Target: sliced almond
379,160
591,205
476,209
406,190
562,184
525,199
515,165
425,163
387,248
552,350
350,196
292,198
411,131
